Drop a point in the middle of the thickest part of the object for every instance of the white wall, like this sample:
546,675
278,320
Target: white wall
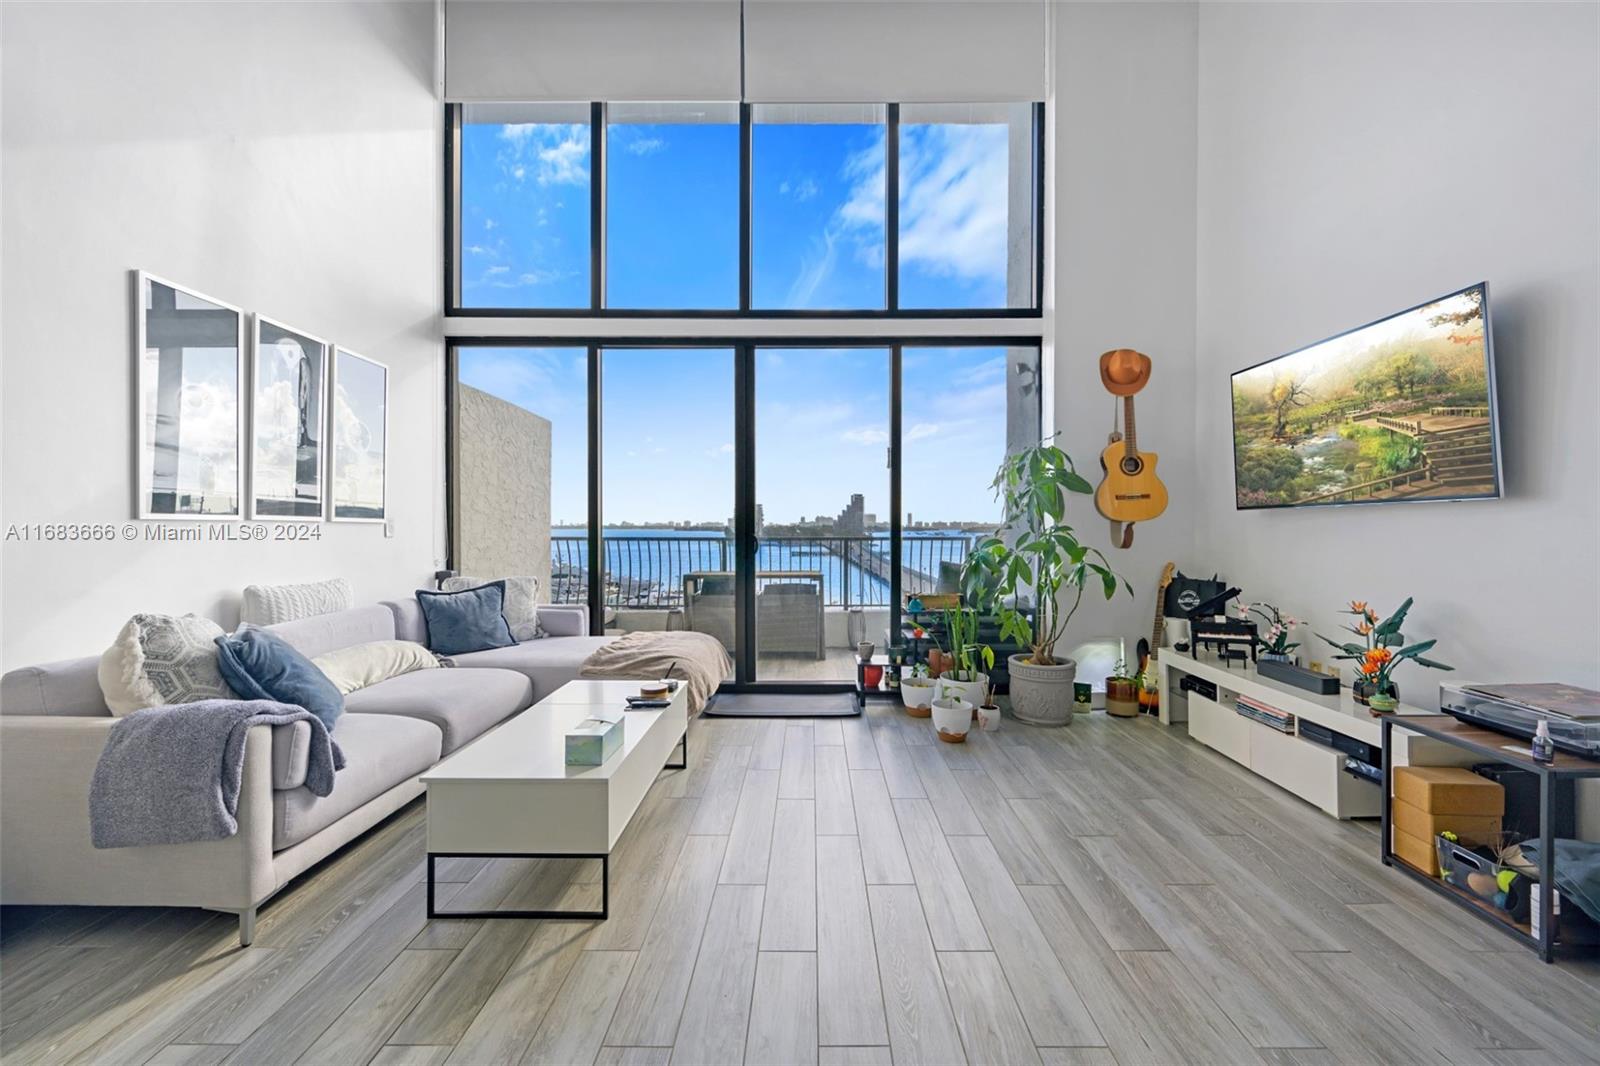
283,157
1356,159
1123,110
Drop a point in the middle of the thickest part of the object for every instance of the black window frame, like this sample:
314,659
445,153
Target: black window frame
744,347
597,237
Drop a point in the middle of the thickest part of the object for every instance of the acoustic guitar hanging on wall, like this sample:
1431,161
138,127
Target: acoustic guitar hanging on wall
1130,491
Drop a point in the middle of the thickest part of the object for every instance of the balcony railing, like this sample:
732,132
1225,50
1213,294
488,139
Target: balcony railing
646,571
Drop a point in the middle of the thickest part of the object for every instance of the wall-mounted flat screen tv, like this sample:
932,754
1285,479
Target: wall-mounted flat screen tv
1399,409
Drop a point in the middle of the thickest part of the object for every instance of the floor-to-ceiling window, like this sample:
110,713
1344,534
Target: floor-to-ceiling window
782,414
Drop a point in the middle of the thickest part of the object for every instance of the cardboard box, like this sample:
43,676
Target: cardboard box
1425,825
593,741
1449,790
1416,852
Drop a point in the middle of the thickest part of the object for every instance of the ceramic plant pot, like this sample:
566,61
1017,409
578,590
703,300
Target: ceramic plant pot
1382,703
952,718
971,692
989,717
1363,690
864,650
1042,695
872,676
1122,697
917,694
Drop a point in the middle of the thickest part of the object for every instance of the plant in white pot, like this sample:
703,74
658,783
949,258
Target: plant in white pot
917,692
1035,552
966,680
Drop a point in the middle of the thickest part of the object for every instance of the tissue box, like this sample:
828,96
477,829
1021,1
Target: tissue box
593,741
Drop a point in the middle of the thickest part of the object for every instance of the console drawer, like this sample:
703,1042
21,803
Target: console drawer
1220,728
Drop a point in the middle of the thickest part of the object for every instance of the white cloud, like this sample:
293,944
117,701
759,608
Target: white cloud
644,145
496,270
865,436
557,152
922,430
953,202
802,190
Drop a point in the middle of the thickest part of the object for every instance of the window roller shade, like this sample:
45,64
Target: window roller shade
564,50
822,51
796,51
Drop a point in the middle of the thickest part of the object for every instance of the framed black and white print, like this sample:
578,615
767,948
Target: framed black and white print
189,410
358,438
288,422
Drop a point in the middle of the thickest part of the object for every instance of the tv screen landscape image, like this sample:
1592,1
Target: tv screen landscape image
1399,409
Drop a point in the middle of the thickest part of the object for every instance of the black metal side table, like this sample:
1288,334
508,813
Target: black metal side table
1500,748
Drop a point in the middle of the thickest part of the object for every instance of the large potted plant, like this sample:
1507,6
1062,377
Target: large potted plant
1035,553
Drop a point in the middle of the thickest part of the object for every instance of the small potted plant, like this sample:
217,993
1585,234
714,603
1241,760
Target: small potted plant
963,678
1035,554
916,692
1122,693
988,711
1384,647
952,718
1275,642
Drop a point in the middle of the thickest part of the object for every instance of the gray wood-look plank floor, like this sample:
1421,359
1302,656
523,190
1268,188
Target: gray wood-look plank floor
844,892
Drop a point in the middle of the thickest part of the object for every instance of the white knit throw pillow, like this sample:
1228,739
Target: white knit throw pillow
266,605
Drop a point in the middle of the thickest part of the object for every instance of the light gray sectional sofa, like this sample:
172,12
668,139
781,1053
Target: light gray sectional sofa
54,723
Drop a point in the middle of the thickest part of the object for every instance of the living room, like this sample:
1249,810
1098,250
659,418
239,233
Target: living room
676,343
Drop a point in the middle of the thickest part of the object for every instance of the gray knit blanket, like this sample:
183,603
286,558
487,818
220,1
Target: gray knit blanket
171,775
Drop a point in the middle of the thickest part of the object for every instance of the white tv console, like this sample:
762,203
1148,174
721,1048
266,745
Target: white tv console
1309,770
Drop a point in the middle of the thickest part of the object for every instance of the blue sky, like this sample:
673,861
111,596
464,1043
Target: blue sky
672,222
822,428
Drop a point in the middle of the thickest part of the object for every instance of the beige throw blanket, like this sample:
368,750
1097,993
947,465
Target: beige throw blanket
701,662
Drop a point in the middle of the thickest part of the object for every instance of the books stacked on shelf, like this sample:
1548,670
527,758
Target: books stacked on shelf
1257,711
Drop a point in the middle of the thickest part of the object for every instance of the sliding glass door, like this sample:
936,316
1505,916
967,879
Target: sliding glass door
667,476
822,512
784,497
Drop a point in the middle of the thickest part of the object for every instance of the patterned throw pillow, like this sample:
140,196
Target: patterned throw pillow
159,659
521,606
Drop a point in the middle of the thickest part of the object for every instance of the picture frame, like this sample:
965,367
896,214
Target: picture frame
189,403
288,422
358,438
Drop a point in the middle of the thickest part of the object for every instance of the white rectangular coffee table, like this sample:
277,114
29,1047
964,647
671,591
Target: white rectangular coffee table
510,793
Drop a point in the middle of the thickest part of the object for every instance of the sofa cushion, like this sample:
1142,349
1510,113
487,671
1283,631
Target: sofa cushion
380,752
363,665
160,659
470,620
521,601
265,605
323,633
462,703
548,663
260,665
69,688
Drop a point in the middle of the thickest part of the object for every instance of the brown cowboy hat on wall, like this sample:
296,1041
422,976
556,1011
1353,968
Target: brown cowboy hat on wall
1124,371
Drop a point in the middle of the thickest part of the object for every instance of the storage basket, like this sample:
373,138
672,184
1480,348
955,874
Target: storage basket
1468,870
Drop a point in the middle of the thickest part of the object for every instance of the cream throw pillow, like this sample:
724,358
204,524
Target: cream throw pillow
361,665
160,659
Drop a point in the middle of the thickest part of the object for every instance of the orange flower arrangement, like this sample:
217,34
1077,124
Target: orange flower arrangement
1377,656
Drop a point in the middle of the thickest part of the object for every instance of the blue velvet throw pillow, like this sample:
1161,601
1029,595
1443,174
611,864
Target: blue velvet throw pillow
470,620
260,665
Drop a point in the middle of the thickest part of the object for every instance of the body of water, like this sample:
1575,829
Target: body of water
645,567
